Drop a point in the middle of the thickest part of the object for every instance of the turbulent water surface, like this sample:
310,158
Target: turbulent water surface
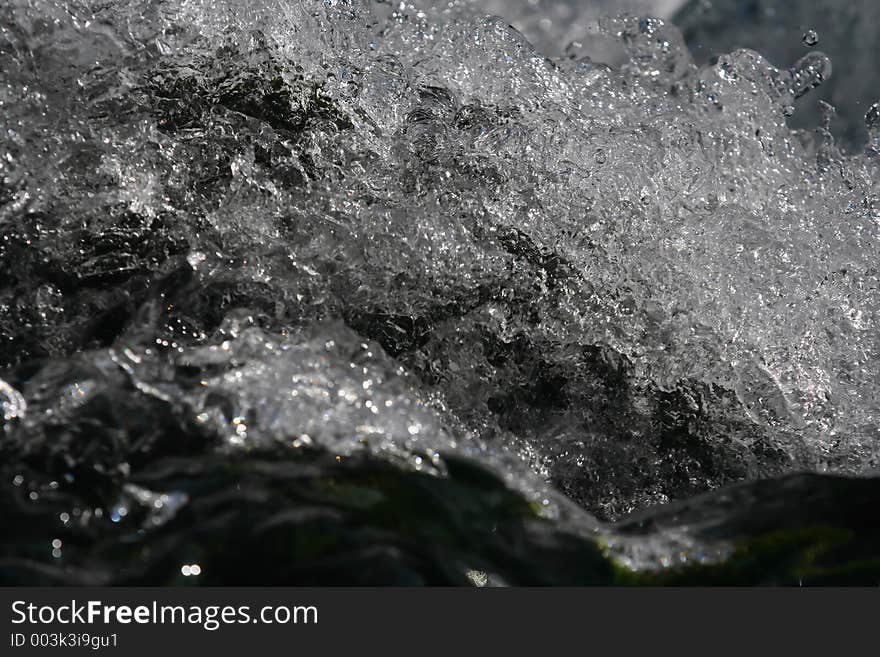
339,291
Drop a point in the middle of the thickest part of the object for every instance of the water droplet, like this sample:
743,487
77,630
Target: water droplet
811,38
872,118
196,258
12,403
809,72
478,577
118,513
872,123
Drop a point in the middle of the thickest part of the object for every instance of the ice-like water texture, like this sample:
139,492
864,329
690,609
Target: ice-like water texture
552,25
846,31
396,229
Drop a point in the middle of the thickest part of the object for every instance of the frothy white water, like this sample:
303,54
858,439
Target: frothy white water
565,261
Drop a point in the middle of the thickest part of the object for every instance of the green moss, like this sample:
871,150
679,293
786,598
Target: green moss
789,557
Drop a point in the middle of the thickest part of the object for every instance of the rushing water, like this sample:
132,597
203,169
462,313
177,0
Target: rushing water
308,291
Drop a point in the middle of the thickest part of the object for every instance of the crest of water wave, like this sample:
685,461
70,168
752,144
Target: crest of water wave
452,193
325,388
784,30
693,212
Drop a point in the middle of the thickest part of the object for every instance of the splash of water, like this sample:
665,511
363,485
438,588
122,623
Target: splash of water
403,231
